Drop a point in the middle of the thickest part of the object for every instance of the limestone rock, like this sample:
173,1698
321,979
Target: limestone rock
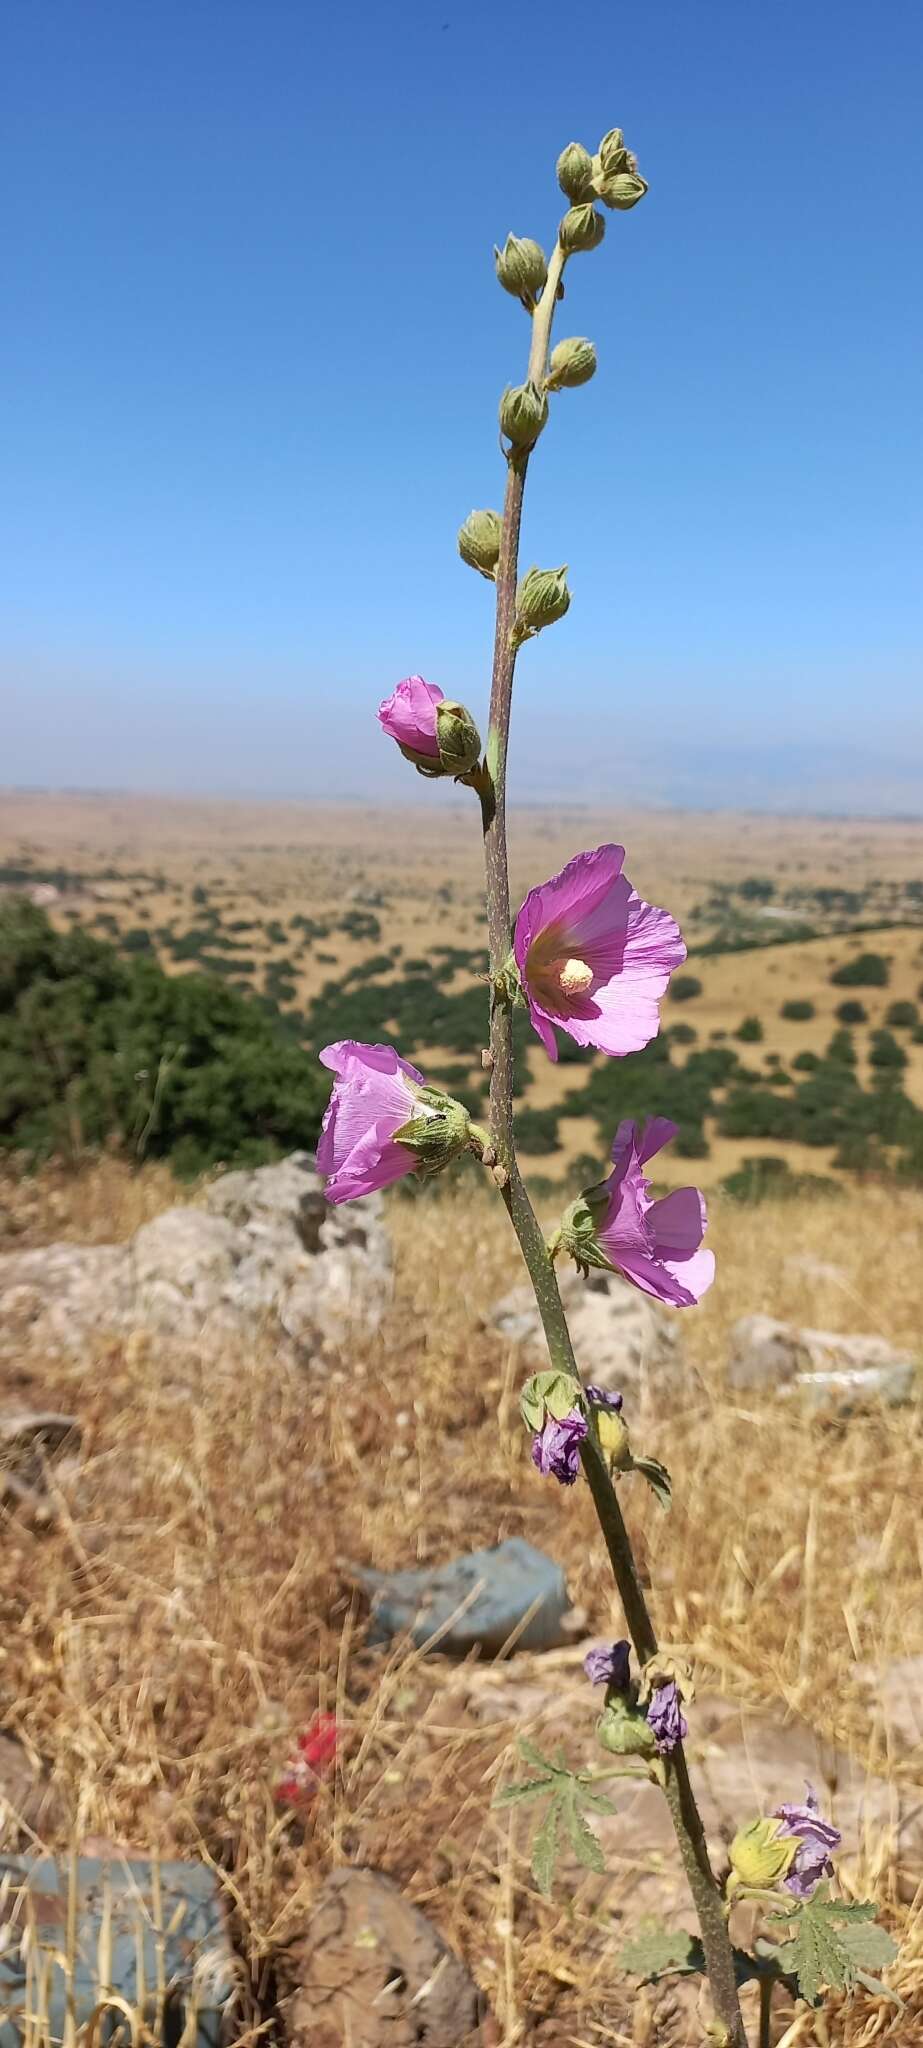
370,1969
622,1339
830,1371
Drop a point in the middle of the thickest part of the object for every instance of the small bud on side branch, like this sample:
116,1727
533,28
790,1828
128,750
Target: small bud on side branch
479,542
523,414
572,362
582,228
542,597
575,173
521,268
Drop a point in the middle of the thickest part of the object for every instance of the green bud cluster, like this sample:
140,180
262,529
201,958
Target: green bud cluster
615,174
523,414
521,268
575,173
479,542
542,597
572,362
581,228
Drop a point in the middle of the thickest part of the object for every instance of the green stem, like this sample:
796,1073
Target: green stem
678,1791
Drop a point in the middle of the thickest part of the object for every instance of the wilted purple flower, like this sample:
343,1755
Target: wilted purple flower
601,1398
594,959
664,1715
556,1446
608,1667
655,1245
817,1838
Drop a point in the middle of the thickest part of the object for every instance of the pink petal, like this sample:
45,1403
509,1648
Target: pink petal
677,1223
664,1282
657,1132
409,715
374,1162
575,892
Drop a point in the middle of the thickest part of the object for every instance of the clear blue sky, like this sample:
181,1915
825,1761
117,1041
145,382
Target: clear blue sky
252,348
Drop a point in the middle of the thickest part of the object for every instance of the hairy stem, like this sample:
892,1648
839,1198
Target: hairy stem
678,1790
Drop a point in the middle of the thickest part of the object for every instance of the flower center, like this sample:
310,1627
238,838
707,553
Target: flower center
574,977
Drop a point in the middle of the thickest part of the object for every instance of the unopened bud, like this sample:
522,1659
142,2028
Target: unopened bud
760,1855
542,597
479,541
581,228
523,414
611,148
620,190
521,267
458,738
614,1439
572,363
575,172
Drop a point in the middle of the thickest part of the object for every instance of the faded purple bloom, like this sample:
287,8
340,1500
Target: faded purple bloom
817,1838
409,716
357,1151
556,1446
655,1245
608,1667
594,959
601,1398
666,1718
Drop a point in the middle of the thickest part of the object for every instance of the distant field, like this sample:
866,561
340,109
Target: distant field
368,922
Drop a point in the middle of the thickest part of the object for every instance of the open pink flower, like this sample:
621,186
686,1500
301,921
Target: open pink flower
357,1151
655,1245
594,959
409,715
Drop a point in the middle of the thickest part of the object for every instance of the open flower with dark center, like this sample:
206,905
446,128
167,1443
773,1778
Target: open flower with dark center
593,959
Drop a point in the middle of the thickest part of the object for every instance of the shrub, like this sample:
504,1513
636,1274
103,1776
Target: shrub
842,1049
756,889
759,1179
537,1130
885,1051
684,987
750,1032
805,1062
868,970
797,1011
902,1016
682,1034
852,1012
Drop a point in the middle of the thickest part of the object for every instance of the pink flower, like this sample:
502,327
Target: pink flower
593,959
357,1151
409,716
655,1245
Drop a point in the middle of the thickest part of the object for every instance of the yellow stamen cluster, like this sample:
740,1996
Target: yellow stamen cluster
574,977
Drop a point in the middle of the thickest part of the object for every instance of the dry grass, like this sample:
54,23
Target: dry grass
189,1611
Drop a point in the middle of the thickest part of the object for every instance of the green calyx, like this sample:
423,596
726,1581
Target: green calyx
581,228
577,1231
542,597
620,190
521,268
437,1132
549,1393
760,1855
572,362
575,173
623,1730
523,414
458,738
479,542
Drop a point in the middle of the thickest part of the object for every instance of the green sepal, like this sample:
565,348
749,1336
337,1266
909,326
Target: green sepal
658,1479
623,1730
548,1393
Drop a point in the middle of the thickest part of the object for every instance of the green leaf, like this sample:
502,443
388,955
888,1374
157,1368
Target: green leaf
531,1755
598,1802
658,1479
587,1848
544,1850
529,1789
657,1951
829,1942
869,1945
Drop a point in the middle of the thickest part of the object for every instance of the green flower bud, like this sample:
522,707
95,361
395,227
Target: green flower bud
572,362
458,738
523,414
437,1132
614,1439
479,541
759,1856
575,172
581,228
620,190
623,1731
611,147
542,597
521,267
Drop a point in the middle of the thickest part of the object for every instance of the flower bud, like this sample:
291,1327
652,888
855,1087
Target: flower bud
542,597
611,148
581,228
458,738
437,1131
572,362
623,1731
523,414
479,541
614,1439
521,267
620,190
760,1855
575,172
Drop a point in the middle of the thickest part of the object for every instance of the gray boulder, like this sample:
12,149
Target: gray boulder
622,1339
828,1370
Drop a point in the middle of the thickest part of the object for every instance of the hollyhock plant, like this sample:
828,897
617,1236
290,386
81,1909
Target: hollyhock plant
382,1121
593,959
618,1225
817,1839
556,1446
409,716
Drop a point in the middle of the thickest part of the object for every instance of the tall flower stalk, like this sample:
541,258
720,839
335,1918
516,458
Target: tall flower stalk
588,957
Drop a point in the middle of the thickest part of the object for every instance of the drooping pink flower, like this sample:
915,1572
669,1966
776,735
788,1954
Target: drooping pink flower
409,716
593,959
655,1245
357,1151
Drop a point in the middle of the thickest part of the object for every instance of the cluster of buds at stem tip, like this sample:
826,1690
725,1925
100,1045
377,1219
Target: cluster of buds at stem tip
572,362
542,597
523,414
615,174
479,542
521,268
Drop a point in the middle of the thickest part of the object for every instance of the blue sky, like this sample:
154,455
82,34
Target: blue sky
252,351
